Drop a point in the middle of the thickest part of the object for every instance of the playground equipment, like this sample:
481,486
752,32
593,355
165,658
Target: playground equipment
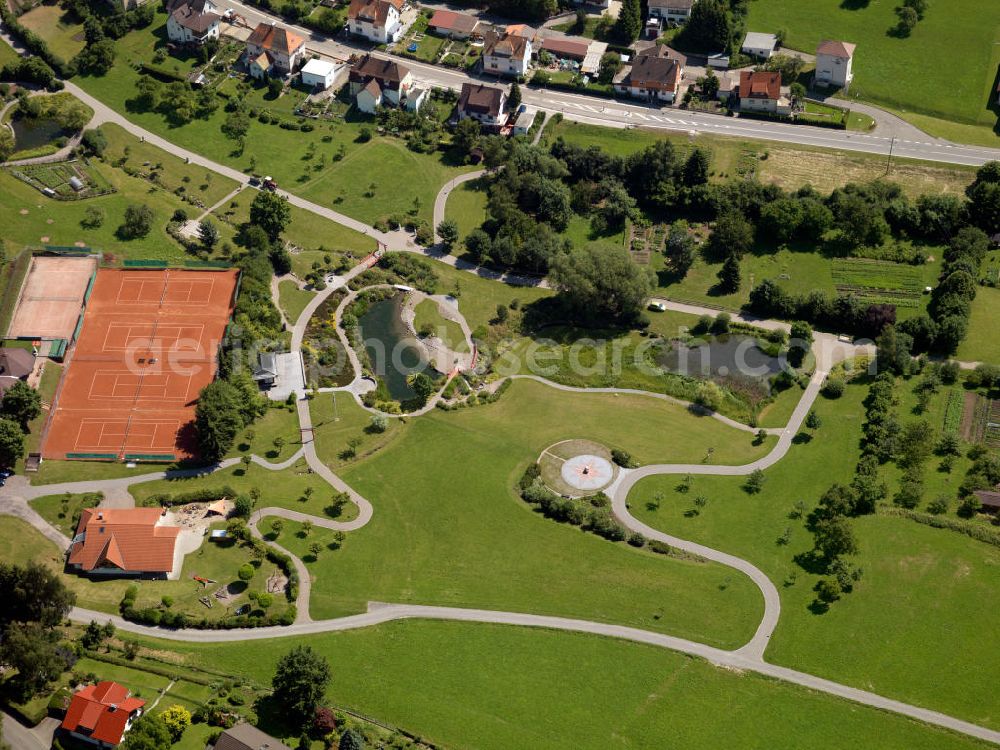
203,581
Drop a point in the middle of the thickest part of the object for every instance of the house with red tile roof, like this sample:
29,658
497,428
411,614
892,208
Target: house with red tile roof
376,20
507,54
274,50
833,63
124,541
101,714
761,91
455,25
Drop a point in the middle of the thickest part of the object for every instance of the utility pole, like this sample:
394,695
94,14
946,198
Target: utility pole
889,161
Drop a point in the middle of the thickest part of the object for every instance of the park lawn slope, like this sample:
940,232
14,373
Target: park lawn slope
448,529
496,687
981,343
911,629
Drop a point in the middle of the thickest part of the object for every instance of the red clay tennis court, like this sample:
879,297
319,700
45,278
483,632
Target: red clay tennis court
149,344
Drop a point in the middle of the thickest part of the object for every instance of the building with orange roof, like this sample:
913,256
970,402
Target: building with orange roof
277,47
507,54
124,541
376,20
834,63
101,714
761,91
455,25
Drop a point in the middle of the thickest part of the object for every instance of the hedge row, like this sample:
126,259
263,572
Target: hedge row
151,668
35,44
977,532
203,495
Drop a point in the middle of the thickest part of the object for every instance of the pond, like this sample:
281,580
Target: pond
721,356
393,351
33,133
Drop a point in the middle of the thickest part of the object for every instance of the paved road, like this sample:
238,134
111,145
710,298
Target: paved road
20,737
441,201
620,114
381,613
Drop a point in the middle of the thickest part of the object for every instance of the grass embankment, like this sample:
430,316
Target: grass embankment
373,178
64,36
882,62
428,316
495,687
925,596
470,542
467,206
981,343
292,299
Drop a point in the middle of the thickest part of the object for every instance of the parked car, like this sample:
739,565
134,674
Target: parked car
657,307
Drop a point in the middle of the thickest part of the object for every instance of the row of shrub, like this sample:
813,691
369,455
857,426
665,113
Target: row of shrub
974,530
34,43
201,495
476,399
170,674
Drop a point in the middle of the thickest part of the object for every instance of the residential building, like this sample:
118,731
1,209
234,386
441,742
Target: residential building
193,22
523,30
319,74
376,20
761,91
101,714
266,372
759,45
654,75
376,82
525,119
833,63
15,364
566,48
274,50
455,25
670,11
243,736
486,104
507,54
120,541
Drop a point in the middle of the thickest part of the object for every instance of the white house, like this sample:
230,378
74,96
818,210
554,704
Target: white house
273,50
670,11
193,22
759,45
761,91
376,20
653,76
319,74
486,104
506,54
525,119
833,63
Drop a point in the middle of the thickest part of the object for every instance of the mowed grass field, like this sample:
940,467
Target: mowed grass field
51,23
373,179
912,627
467,207
982,344
960,35
449,530
495,687
789,166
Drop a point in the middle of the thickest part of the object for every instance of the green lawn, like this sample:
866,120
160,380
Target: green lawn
982,343
63,36
909,629
882,63
337,418
280,420
496,687
47,390
50,507
302,162
427,313
292,299
467,206
293,538
445,487
477,297
7,54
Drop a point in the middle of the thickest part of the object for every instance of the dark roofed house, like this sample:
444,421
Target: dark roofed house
101,714
455,25
244,736
487,104
375,81
266,371
990,499
654,75
15,364
192,22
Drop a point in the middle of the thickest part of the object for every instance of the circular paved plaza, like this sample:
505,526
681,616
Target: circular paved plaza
587,472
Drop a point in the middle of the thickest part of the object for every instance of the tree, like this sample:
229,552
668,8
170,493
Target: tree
813,421
21,403
448,232
351,740
379,423
984,198
218,419
148,733
755,482
270,212
680,248
276,526
11,442
137,223
893,351
708,395
93,218
907,20
629,24
245,572
300,682
514,97
97,58
6,144
916,443
729,275
732,235
265,600
236,125
834,538
315,548
324,721
466,135
243,506
919,7
422,385
611,63
709,29
208,233
598,283
176,718
278,443
696,167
